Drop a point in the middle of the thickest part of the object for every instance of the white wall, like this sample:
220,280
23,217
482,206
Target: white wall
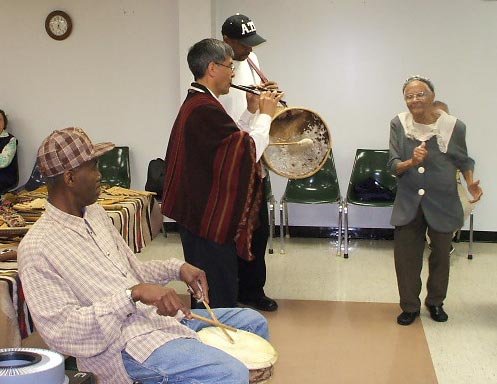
116,76
195,23
122,73
347,60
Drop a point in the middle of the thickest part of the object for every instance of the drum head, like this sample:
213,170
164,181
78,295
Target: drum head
297,161
252,350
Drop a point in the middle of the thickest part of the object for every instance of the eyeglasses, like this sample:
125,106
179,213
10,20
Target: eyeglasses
232,66
412,96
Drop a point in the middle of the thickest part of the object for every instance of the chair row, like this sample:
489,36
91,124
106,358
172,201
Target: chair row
371,184
113,165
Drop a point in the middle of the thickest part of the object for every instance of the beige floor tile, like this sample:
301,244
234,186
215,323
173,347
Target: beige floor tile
322,342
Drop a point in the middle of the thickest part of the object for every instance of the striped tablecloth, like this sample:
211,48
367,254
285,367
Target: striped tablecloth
15,319
131,215
132,220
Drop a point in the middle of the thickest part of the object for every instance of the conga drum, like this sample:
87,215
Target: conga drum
297,125
256,353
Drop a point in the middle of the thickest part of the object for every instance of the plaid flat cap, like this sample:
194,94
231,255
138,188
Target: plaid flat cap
67,149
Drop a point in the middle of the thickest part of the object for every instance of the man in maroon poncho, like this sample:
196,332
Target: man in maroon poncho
213,182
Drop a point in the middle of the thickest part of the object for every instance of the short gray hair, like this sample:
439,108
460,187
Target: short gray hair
423,79
205,52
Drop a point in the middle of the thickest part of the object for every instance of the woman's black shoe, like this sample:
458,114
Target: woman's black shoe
407,318
437,313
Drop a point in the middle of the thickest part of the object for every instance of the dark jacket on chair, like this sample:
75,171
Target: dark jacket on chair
9,176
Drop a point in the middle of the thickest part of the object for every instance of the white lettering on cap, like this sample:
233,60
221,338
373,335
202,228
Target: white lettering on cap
248,28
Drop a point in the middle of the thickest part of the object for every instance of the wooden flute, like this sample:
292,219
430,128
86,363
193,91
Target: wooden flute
257,91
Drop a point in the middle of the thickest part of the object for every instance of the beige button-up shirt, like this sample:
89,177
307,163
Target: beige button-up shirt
75,272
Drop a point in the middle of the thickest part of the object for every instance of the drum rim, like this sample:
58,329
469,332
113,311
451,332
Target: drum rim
323,160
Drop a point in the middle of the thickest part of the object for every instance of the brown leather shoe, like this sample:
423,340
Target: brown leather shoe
437,313
407,318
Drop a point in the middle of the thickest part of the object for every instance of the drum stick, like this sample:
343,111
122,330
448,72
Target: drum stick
212,322
300,142
214,317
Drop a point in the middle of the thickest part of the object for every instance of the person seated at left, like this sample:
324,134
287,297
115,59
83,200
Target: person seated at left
91,298
8,156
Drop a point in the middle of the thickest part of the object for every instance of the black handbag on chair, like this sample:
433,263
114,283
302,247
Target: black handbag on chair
155,177
372,190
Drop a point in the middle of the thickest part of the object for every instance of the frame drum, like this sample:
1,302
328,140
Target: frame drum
296,161
252,350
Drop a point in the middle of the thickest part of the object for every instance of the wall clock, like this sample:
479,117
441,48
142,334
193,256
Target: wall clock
58,25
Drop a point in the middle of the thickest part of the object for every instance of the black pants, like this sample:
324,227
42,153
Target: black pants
409,245
220,265
252,274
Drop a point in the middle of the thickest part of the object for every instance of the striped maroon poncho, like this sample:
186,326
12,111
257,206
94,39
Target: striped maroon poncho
213,184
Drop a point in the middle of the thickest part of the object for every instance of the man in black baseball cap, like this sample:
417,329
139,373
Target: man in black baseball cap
240,27
239,33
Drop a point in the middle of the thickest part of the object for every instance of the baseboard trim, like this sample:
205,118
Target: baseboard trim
357,233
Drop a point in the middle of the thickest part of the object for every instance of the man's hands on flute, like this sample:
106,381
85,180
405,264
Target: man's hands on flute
266,102
269,85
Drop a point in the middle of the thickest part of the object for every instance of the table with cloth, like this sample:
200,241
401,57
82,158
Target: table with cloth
129,210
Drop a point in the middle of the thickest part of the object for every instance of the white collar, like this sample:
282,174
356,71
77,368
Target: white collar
442,129
201,90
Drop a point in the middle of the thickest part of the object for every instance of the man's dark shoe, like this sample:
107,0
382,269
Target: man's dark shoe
262,303
407,318
437,313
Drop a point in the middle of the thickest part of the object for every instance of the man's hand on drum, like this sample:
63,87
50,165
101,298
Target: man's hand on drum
166,299
268,101
196,280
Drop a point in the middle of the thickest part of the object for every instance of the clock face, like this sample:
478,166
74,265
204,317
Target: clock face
58,25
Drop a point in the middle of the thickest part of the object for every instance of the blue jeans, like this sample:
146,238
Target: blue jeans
189,361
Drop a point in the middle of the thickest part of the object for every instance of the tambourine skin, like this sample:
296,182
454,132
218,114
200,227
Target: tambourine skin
290,125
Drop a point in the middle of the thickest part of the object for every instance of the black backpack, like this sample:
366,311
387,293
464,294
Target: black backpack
155,176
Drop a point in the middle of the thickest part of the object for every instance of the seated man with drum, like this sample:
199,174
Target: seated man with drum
213,183
91,298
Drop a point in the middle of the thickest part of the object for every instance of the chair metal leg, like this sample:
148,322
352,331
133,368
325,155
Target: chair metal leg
458,236
470,247
271,204
285,208
346,229
282,228
340,223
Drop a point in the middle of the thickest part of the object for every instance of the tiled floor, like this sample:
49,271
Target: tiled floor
463,350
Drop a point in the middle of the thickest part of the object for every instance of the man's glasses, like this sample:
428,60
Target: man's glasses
232,66
412,96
